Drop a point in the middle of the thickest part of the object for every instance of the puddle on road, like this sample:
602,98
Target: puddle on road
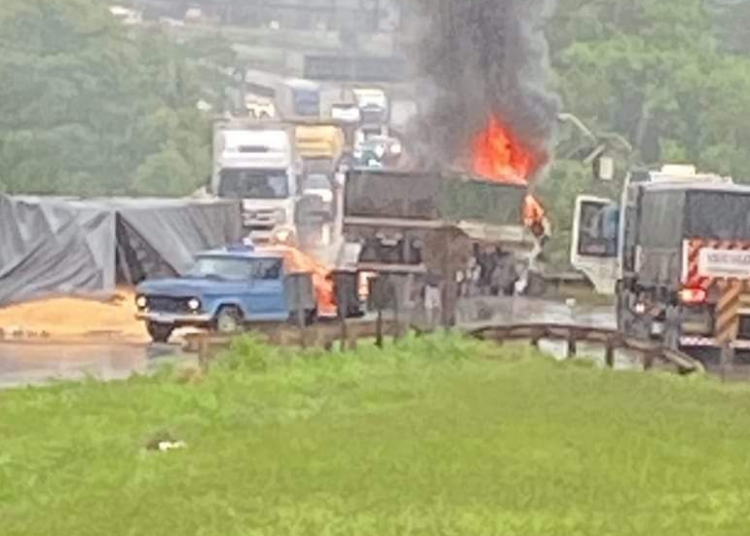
624,360
32,364
37,363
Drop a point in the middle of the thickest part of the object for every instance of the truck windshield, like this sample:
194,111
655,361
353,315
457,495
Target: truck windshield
230,269
718,216
252,184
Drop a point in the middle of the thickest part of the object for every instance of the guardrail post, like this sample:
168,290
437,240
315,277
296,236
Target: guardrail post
535,339
300,312
726,358
203,353
343,308
397,291
379,328
572,345
648,359
609,354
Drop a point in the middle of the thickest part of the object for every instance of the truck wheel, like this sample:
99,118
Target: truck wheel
159,333
228,320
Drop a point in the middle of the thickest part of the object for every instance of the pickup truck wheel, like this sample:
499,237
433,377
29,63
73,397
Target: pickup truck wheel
229,320
159,333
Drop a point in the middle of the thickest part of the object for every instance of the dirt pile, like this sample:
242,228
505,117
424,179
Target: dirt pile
67,317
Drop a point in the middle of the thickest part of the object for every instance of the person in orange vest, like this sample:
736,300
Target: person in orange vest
535,219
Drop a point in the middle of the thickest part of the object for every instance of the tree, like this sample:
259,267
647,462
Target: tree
85,105
654,72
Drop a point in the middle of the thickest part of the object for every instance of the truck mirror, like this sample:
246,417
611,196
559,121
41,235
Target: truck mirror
604,168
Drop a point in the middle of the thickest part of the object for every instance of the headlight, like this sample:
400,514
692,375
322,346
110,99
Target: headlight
396,149
194,304
141,302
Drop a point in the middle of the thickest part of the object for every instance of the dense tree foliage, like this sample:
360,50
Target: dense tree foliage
88,108
659,73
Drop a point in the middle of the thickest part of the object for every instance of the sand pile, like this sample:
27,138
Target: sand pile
75,317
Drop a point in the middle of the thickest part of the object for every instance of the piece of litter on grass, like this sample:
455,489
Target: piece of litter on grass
164,446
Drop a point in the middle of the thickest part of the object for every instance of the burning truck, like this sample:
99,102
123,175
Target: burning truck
484,136
465,226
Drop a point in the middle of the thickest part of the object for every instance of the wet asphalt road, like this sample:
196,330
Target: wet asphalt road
25,363
28,363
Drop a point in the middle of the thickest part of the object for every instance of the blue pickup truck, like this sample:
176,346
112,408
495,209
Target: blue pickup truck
225,290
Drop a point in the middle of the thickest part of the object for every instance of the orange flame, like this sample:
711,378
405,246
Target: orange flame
498,155
300,262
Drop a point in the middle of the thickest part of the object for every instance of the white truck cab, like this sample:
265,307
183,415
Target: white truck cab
599,224
260,167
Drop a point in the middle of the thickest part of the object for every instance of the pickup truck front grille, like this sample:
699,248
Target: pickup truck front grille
260,220
165,304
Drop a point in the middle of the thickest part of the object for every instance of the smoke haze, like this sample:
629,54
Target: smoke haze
484,58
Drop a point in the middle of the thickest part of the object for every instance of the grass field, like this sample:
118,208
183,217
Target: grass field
434,437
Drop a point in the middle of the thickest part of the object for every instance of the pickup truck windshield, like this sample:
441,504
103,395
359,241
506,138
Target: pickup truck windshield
718,216
229,269
252,184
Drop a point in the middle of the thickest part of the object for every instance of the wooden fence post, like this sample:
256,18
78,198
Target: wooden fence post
300,311
609,355
379,328
203,353
572,344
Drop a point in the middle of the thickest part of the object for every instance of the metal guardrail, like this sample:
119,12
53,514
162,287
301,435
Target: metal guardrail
350,333
611,340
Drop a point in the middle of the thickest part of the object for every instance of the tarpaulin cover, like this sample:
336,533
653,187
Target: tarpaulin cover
53,246
450,198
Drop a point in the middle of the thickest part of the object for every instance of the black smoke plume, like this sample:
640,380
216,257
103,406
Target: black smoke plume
485,57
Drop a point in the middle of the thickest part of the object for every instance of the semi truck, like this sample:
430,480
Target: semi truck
373,105
259,165
675,252
408,224
319,143
298,99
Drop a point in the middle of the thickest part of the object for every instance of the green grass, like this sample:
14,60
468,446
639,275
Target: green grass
439,436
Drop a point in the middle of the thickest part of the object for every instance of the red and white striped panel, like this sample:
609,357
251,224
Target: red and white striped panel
704,342
707,342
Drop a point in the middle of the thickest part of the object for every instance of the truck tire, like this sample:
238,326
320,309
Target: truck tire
159,333
229,319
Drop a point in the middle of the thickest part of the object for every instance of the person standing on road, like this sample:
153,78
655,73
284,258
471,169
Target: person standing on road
432,300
